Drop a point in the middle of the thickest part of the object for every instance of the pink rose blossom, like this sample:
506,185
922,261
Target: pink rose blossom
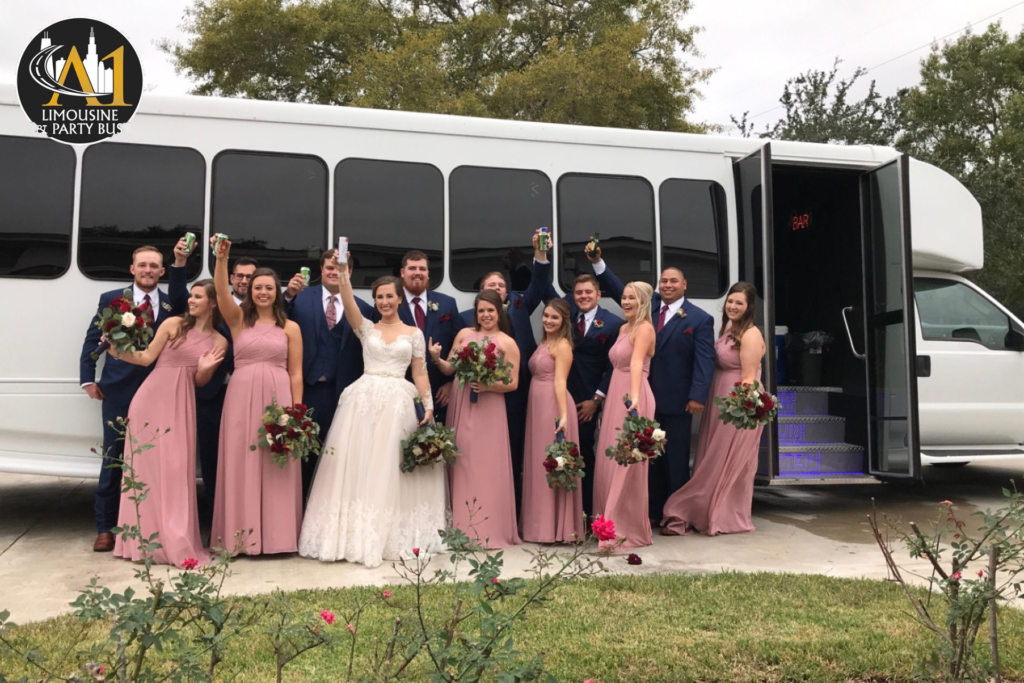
416,552
946,502
603,528
190,563
327,616
494,580
956,576
102,669
386,594
351,629
981,573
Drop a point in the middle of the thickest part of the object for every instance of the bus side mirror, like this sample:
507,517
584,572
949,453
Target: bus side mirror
1016,340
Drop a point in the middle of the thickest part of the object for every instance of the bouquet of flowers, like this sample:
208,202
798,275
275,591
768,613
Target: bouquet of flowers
289,432
127,327
640,439
748,406
481,362
564,464
428,445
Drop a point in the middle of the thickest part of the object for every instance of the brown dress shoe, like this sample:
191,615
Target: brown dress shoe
104,543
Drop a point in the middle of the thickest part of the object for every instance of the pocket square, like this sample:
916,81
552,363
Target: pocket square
446,317
688,330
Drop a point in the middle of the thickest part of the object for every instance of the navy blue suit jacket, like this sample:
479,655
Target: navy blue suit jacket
119,379
520,308
325,352
441,326
177,293
350,349
684,356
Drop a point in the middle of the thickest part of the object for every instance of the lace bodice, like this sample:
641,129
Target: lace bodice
389,360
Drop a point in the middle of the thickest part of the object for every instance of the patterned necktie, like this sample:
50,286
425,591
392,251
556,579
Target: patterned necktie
661,318
581,326
421,318
332,313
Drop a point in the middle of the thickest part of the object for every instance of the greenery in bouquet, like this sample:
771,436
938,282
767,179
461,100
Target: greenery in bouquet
125,326
639,439
748,406
289,432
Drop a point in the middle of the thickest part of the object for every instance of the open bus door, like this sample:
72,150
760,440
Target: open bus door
890,344
753,178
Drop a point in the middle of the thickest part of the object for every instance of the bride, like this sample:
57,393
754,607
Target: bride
361,507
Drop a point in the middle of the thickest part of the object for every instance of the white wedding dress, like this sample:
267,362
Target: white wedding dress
362,508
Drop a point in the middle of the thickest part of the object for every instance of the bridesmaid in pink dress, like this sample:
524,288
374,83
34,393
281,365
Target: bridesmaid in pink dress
620,491
718,497
483,472
550,515
257,502
163,413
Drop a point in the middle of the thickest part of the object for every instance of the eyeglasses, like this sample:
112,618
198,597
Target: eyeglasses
239,276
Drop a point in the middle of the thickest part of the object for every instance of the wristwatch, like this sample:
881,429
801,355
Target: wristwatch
598,398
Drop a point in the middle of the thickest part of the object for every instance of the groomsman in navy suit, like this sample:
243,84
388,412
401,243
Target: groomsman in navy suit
210,397
519,308
119,381
681,370
436,315
327,351
594,331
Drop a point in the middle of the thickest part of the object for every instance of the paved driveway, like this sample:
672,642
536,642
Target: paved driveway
46,535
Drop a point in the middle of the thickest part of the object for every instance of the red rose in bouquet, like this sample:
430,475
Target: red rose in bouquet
747,406
288,432
125,326
639,439
481,362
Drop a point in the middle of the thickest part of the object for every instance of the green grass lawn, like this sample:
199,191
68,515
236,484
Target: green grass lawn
716,627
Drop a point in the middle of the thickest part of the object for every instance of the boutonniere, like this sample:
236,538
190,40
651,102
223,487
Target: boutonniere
432,306
446,317
504,307
598,323
166,306
680,314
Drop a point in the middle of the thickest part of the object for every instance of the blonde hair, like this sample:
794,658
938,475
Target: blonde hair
643,293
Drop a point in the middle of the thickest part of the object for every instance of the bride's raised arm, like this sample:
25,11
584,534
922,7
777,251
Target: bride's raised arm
348,298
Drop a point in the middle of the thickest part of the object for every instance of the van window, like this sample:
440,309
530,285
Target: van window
386,208
273,208
953,311
37,193
134,195
621,209
693,234
493,215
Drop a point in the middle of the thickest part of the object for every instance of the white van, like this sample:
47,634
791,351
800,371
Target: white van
824,232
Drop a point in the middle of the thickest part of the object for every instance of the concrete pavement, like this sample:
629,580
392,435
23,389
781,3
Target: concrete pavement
46,535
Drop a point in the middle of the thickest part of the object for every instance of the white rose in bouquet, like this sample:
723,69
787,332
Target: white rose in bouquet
638,455
416,450
561,462
283,420
658,435
128,319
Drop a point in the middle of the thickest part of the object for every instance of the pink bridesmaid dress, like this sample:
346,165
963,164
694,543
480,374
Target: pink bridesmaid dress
483,470
254,495
163,413
719,495
620,491
548,515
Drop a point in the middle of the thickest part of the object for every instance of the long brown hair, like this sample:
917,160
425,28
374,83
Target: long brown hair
249,313
565,329
491,297
747,320
188,321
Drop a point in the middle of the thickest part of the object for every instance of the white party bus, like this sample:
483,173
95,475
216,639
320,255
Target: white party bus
858,250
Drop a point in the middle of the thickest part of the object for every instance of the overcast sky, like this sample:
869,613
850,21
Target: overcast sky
755,45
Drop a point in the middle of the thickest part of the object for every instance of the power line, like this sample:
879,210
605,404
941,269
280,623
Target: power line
910,52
